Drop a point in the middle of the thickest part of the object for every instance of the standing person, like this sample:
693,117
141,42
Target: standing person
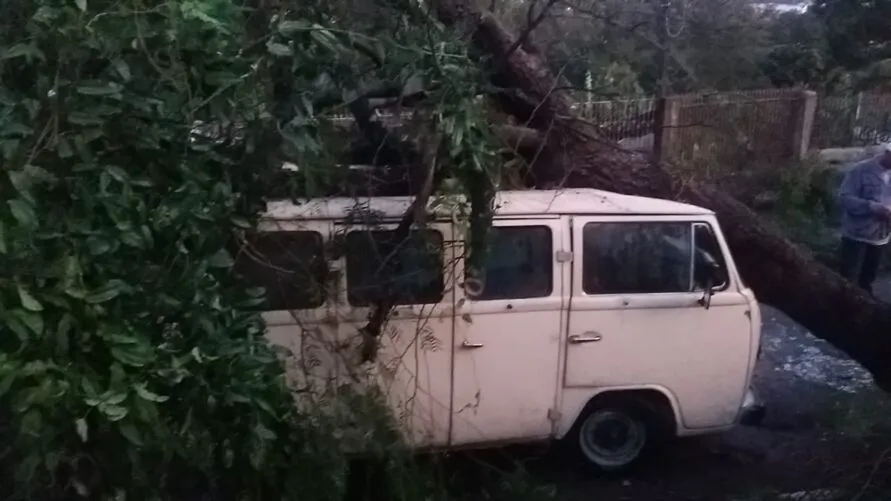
865,197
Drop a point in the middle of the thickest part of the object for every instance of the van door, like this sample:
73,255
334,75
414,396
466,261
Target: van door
638,316
508,335
412,363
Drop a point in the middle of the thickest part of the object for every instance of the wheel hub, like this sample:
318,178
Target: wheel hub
612,439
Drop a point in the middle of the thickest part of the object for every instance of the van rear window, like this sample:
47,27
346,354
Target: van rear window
290,266
519,264
407,271
635,258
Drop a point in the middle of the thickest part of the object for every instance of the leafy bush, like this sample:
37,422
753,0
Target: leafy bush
137,142
130,364
807,207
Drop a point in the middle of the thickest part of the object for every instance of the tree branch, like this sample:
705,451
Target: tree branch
415,214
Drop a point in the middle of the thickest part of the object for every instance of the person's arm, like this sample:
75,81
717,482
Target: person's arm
850,198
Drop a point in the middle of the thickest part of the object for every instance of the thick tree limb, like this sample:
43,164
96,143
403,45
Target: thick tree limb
780,274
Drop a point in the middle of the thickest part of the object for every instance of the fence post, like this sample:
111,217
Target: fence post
668,128
804,109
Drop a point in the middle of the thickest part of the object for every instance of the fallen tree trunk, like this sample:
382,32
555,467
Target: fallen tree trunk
781,274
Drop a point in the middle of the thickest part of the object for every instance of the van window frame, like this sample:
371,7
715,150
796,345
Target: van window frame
661,219
345,229
724,262
319,238
524,223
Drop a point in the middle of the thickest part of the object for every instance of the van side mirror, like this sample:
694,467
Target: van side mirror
710,280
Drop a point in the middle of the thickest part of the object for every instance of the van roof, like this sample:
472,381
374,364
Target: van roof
507,203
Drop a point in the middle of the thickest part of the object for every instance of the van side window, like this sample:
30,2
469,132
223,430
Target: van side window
408,271
637,258
519,263
709,260
289,265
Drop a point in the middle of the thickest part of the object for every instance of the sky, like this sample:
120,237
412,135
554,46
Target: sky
783,7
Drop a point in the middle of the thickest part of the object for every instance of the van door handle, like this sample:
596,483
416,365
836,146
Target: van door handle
471,346
588,337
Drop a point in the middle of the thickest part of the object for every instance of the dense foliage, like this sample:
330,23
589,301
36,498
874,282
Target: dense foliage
138,140
722,45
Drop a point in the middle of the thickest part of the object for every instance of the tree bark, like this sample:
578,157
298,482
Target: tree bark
780,274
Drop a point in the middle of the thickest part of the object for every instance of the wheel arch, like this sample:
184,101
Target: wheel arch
661,403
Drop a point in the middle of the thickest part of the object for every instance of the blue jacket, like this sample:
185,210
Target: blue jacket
864,190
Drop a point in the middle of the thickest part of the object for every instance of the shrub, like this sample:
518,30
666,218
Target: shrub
131,366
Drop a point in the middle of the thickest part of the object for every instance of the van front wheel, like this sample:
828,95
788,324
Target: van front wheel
613,438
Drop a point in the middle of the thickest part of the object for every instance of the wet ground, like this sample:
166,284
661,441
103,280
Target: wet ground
809,440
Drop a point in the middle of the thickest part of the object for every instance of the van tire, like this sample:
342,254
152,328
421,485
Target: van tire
616,433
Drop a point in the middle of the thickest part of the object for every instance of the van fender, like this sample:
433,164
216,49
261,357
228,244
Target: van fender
574,405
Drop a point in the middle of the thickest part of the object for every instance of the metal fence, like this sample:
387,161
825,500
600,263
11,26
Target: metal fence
624,120
721,127
734,129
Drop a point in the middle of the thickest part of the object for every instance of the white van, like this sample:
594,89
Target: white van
604,319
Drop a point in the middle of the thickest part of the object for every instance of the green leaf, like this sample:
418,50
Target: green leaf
413,85
114,412
82,429
63,149
290,28
220,259
263,432
123,69
98,246
16,129
129,357
81,118
106,293
116,399
119,174
131,433
280,50
22,50
6,382
64,328
132,239
325,38
23,213
28,301
3,249
108,89
22,184
89,388
145,394
32,320
15,324
81,4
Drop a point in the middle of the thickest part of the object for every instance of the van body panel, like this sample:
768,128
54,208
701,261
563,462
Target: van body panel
413,357
575,400
701,356
507,355
468,371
